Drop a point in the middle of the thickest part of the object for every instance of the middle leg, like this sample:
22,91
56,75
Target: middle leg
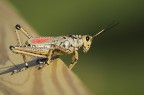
47,60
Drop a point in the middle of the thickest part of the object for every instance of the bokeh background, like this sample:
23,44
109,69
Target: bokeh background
115,63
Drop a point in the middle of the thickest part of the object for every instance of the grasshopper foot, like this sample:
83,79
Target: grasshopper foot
40,67
41,62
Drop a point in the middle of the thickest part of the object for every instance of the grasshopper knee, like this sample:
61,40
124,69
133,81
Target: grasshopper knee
11,47
18,27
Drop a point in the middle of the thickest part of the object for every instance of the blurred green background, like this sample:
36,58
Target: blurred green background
114,65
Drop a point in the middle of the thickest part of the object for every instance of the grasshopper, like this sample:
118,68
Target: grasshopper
48,47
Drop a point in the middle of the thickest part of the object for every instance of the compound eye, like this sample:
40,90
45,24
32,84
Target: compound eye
87,38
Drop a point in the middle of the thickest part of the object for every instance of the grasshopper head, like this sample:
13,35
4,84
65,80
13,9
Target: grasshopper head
87,40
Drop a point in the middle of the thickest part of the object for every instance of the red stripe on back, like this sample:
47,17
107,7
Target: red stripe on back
41,40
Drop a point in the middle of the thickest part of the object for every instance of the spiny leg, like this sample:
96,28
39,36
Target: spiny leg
19,44
74,59
18,38
18,27
20,69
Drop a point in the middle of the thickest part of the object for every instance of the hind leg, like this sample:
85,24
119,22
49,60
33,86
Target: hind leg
18,27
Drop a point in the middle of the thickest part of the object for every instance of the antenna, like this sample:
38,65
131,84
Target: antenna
110,26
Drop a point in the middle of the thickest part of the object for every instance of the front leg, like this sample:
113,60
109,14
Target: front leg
74,59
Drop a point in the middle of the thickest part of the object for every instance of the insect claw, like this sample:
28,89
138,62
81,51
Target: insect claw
40,67
41,64
12,73
46,64
18,27
22,69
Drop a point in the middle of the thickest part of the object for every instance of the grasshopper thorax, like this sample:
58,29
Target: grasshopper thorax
87,40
